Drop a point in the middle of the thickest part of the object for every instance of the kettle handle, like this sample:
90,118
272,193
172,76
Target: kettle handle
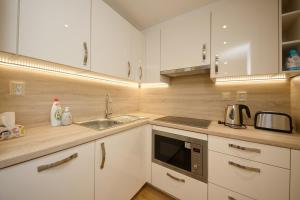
246,108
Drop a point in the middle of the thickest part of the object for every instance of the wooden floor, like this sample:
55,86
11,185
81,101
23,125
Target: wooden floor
150,193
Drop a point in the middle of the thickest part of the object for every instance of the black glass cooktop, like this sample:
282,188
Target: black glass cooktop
198,123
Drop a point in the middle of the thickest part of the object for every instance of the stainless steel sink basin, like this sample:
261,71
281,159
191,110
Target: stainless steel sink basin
100,124
109,123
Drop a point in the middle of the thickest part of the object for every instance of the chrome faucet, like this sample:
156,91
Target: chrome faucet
108,106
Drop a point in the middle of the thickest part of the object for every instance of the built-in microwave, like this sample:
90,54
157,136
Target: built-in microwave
183,154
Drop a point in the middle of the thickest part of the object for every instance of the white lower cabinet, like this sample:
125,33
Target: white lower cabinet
295,175
219,193
250,178
266,154
66,175
177,184
120,166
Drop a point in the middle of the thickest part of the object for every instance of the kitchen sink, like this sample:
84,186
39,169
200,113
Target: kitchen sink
102,124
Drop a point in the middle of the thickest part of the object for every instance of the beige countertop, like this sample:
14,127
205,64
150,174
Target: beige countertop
291,141
44,140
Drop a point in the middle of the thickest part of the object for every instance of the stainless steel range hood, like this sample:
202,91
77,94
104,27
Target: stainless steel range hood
186,71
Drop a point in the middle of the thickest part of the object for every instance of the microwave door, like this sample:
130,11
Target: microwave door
173,152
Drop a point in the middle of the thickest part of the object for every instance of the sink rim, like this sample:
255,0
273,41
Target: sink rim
115,122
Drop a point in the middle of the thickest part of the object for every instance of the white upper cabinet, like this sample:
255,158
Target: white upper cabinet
244,37
56,31
9,25
185,40
138,55
110,41
153,55
120,165
118,49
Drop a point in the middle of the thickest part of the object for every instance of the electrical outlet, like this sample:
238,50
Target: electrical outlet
241,95
16,88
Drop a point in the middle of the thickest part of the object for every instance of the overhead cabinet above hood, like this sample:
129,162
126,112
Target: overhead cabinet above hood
185,44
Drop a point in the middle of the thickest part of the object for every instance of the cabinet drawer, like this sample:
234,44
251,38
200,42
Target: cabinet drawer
257,152
178,185
253,179
219,193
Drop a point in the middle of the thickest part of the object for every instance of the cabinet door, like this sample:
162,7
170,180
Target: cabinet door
295,175
244,37
138,55
185,40
111,41
152,36
72,179
56,31
9,25
120,166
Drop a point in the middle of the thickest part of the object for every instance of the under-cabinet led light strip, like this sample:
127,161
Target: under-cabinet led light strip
249,79
29,65
154,85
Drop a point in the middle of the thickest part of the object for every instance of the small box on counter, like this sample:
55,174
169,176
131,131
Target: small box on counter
7,133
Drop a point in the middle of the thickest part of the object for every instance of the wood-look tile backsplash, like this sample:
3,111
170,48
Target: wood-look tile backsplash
295,101
85,98
193,96
197,96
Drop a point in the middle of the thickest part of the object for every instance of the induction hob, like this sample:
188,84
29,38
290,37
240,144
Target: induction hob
198,123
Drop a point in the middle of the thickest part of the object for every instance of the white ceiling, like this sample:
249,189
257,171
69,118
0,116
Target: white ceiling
145,13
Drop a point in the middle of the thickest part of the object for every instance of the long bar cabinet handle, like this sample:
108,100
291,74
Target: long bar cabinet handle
103,155
217,64
86,54
244,148
231,198
251,169
129,69
141,72
57,163
203,52
175,178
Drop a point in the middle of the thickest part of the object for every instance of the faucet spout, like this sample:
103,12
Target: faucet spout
108,106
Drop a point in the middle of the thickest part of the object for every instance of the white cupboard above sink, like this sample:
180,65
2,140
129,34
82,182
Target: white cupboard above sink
56,31
118,48
244,38
185,40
